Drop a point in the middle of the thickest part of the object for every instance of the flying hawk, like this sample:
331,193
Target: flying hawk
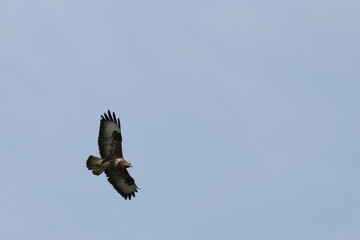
112,160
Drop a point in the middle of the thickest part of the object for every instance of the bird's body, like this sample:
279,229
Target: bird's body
112,160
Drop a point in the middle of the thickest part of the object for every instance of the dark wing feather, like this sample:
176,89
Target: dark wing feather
122,182
110,136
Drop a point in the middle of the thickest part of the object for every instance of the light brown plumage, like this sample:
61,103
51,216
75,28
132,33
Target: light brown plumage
112,160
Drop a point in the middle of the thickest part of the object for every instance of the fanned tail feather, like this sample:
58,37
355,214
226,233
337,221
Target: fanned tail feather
96,165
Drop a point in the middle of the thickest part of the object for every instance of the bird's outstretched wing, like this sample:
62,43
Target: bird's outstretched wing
110,136
122,182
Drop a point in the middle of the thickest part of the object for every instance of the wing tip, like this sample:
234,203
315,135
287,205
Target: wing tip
129,196
111,117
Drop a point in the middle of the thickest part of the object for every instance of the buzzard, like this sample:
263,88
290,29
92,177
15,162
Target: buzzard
112,160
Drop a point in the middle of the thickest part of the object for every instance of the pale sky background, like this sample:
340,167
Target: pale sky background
241,118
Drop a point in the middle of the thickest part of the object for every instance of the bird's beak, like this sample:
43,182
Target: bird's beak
130,165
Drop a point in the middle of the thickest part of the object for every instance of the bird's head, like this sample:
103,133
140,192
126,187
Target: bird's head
124,164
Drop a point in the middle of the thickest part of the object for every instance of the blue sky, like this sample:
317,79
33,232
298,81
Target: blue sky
241,118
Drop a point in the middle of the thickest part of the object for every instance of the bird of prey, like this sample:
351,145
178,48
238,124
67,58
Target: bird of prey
112,160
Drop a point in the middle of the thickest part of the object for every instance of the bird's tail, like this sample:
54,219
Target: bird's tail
96,165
